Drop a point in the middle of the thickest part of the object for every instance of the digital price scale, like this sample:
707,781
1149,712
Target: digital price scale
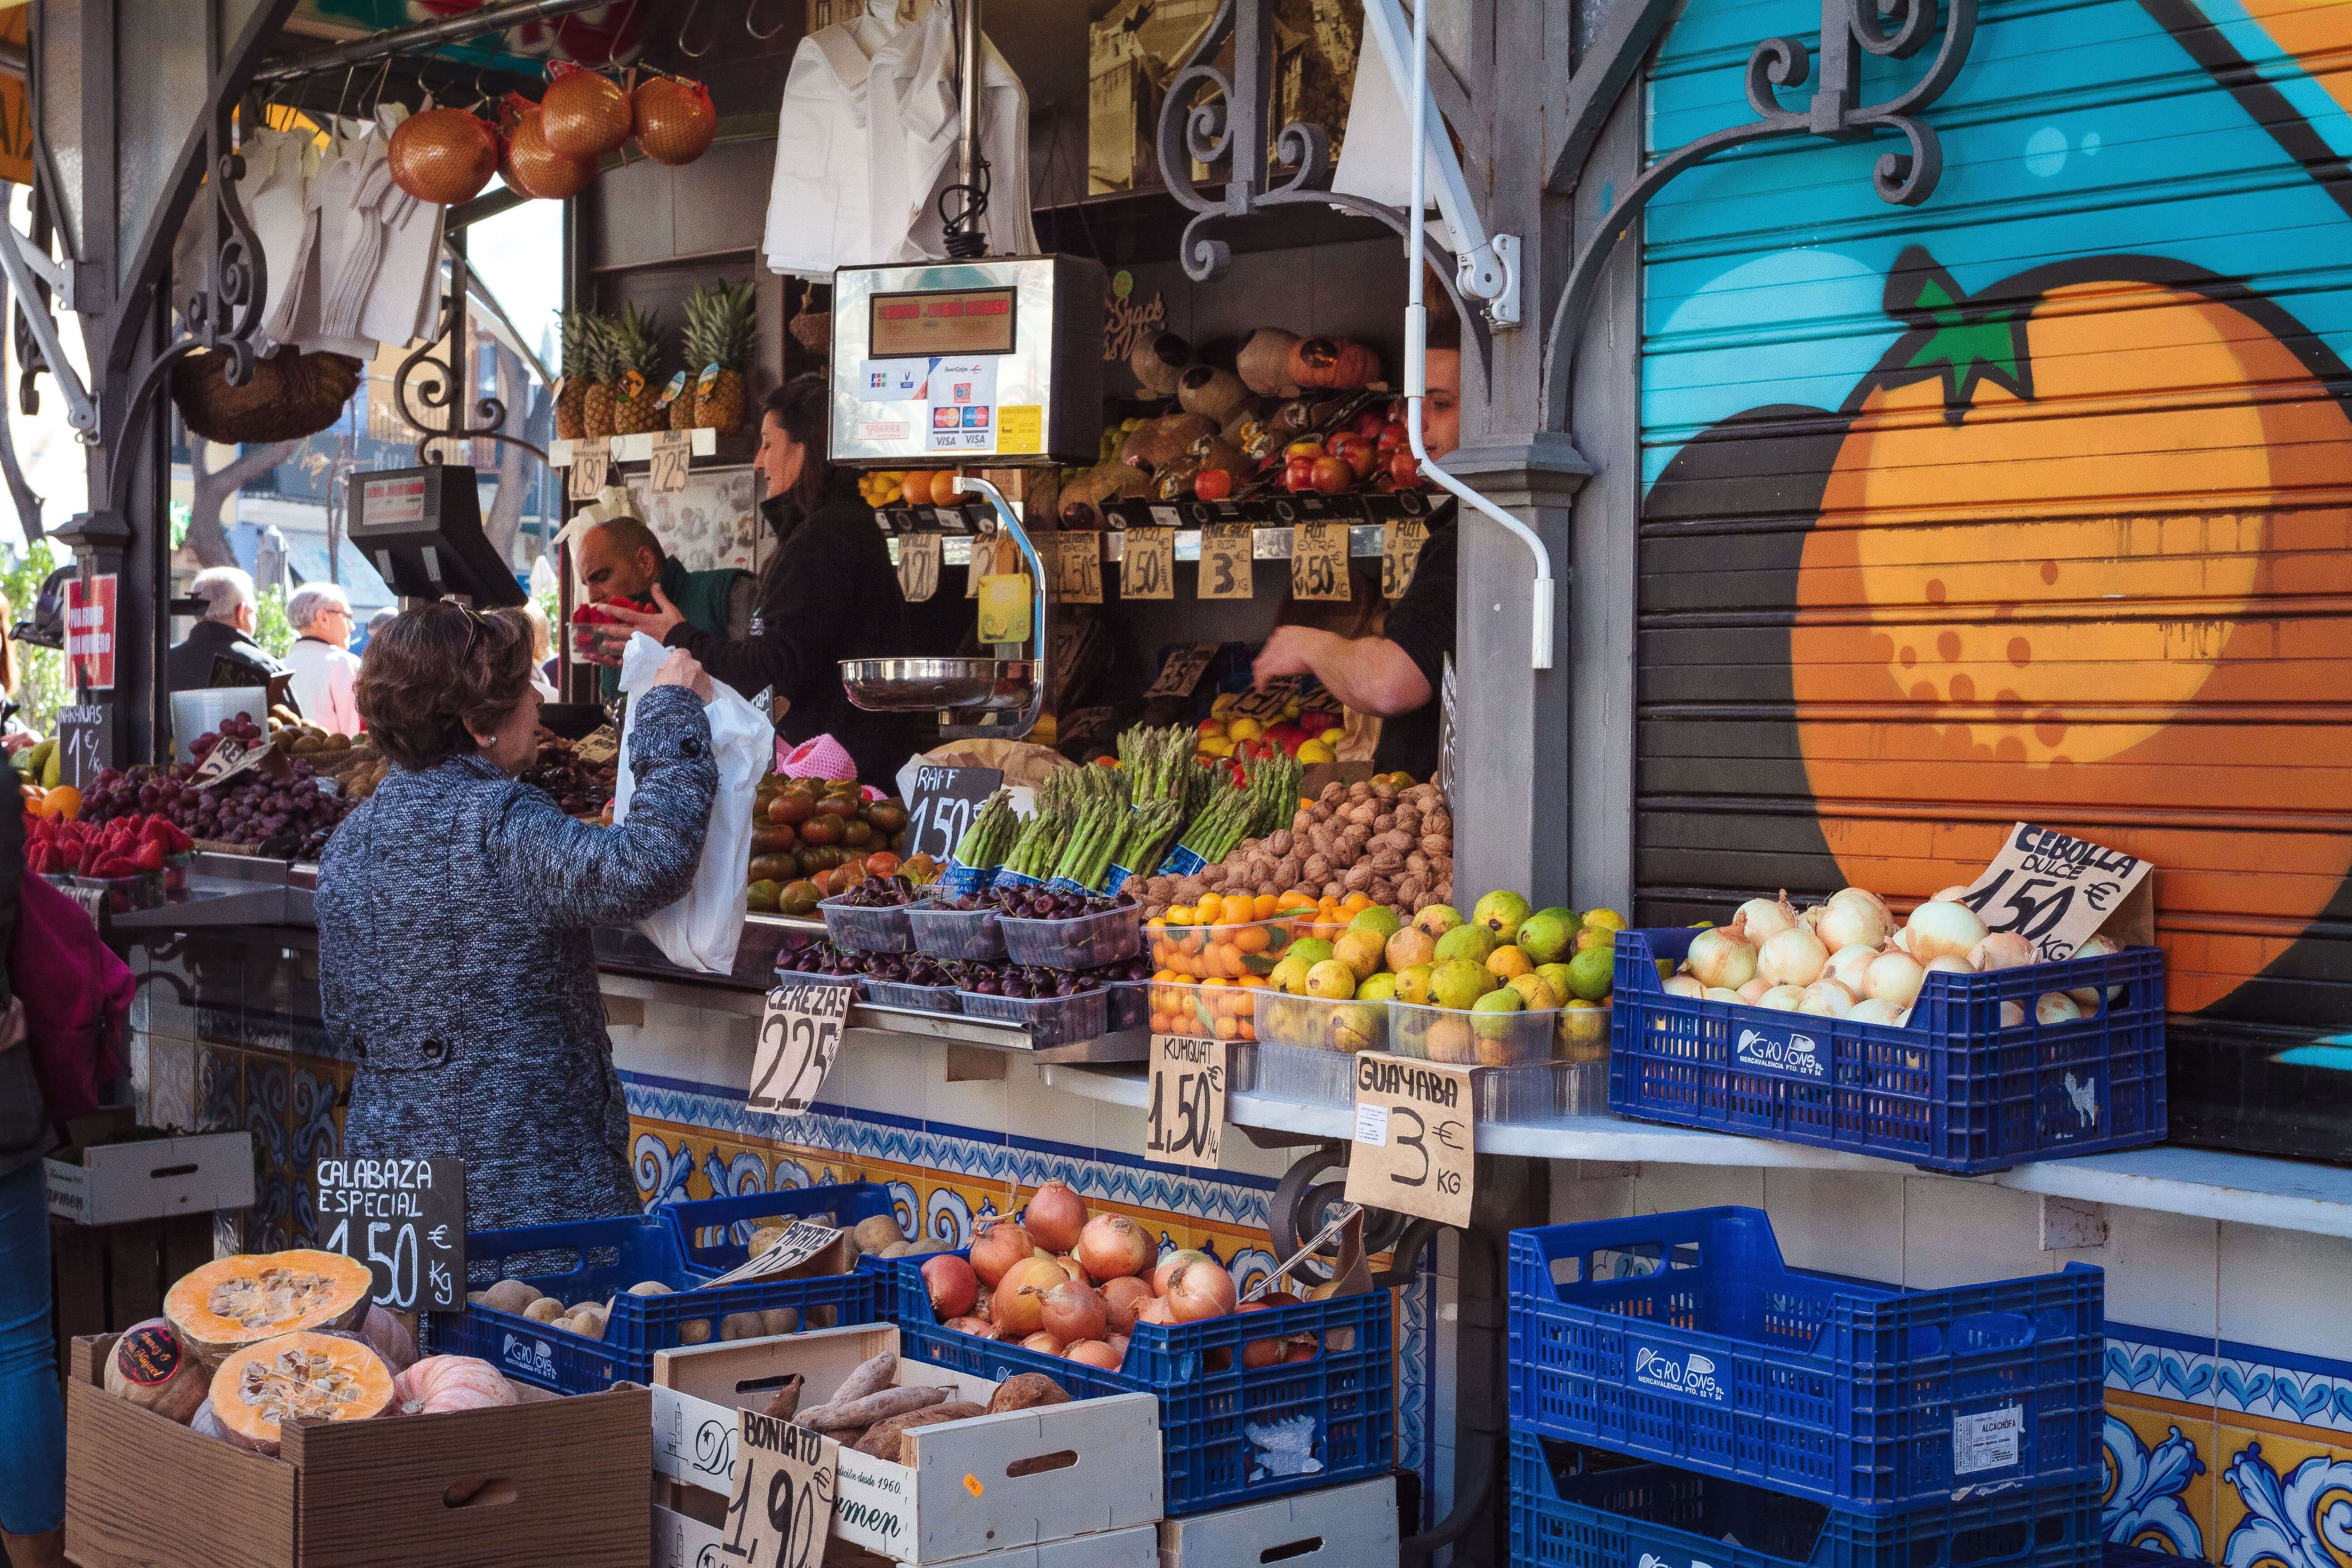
984,362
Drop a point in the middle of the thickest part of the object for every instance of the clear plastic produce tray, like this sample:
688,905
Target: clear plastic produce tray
898,994
1050,1020
960,936
861,929
1081,942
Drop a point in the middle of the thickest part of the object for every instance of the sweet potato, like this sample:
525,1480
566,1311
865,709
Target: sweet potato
1026,1391
874,1408
786,1403
881,1439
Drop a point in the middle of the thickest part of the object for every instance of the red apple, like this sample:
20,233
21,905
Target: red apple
1360,456
1213,484
1331,475
1404,472
1370,423
1394,438
1303,449
1299,473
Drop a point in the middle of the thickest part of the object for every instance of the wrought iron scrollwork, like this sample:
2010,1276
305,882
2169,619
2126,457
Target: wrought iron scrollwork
425,386
1887,29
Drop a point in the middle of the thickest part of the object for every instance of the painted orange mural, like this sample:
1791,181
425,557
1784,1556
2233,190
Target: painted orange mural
2085,557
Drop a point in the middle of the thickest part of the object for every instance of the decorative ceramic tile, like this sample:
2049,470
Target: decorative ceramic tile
2281,1501
2162,1365
172,1100
2161,1492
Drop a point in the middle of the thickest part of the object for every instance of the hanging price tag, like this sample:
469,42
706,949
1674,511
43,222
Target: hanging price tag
1187,1119
1147,567
1413,1151
1078,567
1225,560
919,566
1183,671
799,1034
1269,702
782,1510
2056,890
1319,561
405,1219
590,460
672,456
1400,541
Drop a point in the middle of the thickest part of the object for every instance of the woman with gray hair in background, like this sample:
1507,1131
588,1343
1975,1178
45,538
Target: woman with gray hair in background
325,673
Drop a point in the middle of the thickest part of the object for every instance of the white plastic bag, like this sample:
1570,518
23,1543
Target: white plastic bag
701,930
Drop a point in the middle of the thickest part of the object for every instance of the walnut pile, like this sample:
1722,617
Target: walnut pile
1395,847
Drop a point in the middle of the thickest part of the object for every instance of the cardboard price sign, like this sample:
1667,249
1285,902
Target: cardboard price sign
591,461
1187,1119
1319,561
781,1508
672,456
802,1240
229,758
1225,560
1077,570
1183,670
1413,1148
1400,541
944,805
405,1219
1267,703
799,1034
2056,890
919,566
1146,564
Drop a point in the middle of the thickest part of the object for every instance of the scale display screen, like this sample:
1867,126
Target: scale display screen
961,321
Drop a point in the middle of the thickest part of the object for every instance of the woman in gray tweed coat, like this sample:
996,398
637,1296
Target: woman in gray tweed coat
454,911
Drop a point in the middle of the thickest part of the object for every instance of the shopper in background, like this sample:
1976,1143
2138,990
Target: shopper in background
828,593
456,908
542,652
32,1419
377,622
324,669
1397,674
220,650
620,559
14,736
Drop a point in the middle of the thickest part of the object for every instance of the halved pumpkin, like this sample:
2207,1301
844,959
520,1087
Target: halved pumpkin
328,1378
237,1302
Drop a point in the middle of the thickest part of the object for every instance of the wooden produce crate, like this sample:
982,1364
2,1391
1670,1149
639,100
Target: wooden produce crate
692,1536
105,1277
1020,1478
551,1480
1338,1527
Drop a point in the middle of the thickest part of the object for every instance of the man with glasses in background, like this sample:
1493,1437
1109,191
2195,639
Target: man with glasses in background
324,668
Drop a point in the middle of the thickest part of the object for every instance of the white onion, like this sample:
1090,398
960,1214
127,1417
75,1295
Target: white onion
1900,942
1720,995
2001,949
1867,896
1827,996
1848,964
2056,1007
1766,917
1782,998
2088,995
1791,957
1952,895
2011,1015
1851,922
1721,959
1905,1022
1683,985
1753,990
1947,964
1893,977
1871,1010
1938,929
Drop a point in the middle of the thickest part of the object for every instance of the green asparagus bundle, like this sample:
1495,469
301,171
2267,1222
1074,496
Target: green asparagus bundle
1039,843
1097,829
1269,793
985,843
1276,789
1157,761
1151,827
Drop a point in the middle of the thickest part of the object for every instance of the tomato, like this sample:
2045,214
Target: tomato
1213,484
1331,475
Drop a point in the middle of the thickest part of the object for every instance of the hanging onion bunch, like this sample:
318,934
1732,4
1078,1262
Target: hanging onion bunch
1849,957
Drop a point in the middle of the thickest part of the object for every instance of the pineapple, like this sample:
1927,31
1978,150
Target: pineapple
719,321
637,355
569,424
596,363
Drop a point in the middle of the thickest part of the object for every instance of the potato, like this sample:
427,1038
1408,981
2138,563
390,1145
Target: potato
823,1317
509,1296
649,1288
874,1235
780,1320
589,1320
741,1326
694,1331
546,1309
1026,1391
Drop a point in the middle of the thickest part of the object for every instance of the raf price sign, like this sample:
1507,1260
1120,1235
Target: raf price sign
405,1219
1414,1150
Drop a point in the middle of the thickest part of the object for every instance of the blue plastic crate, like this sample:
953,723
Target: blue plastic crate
715,1234
1228,1434
592,1260
1655,1516
1682,1337
1954,1090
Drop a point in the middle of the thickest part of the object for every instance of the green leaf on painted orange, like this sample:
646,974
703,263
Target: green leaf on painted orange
1962,342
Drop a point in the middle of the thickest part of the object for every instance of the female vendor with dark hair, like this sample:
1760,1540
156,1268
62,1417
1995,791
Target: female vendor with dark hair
455,908
827,592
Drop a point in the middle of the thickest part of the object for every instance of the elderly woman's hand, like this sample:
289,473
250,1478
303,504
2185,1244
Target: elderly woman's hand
682,668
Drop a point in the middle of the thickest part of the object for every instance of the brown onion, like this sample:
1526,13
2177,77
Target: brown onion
998,1249
584,115
1055,1217
980,1326
1117,1342
953,1284
1259,1352
1300,1349
1074,1269
1043,1343
1094,1353
1074,1312
1122,1299
1019,1305
1155,1310
1201,1290
1112,1246
1169,1264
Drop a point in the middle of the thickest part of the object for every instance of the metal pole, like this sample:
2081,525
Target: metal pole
967,72
455,30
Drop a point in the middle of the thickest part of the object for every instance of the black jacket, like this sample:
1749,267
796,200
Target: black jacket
189,666
828,594
24,1124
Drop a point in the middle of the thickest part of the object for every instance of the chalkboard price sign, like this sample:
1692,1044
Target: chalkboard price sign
944,805
405,1219
85,743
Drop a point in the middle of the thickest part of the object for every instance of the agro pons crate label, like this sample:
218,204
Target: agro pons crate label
1685,1372
529,1355
1989,1440
1792,1053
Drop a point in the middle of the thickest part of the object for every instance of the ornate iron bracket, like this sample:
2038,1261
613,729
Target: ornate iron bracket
1231,128
439,390
1890,30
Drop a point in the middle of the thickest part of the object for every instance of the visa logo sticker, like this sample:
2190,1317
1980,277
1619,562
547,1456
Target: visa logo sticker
1692,1375
1794,1055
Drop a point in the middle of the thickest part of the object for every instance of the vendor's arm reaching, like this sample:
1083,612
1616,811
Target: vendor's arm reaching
1370,674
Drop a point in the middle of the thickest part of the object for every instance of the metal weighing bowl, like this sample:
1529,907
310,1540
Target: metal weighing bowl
928,685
